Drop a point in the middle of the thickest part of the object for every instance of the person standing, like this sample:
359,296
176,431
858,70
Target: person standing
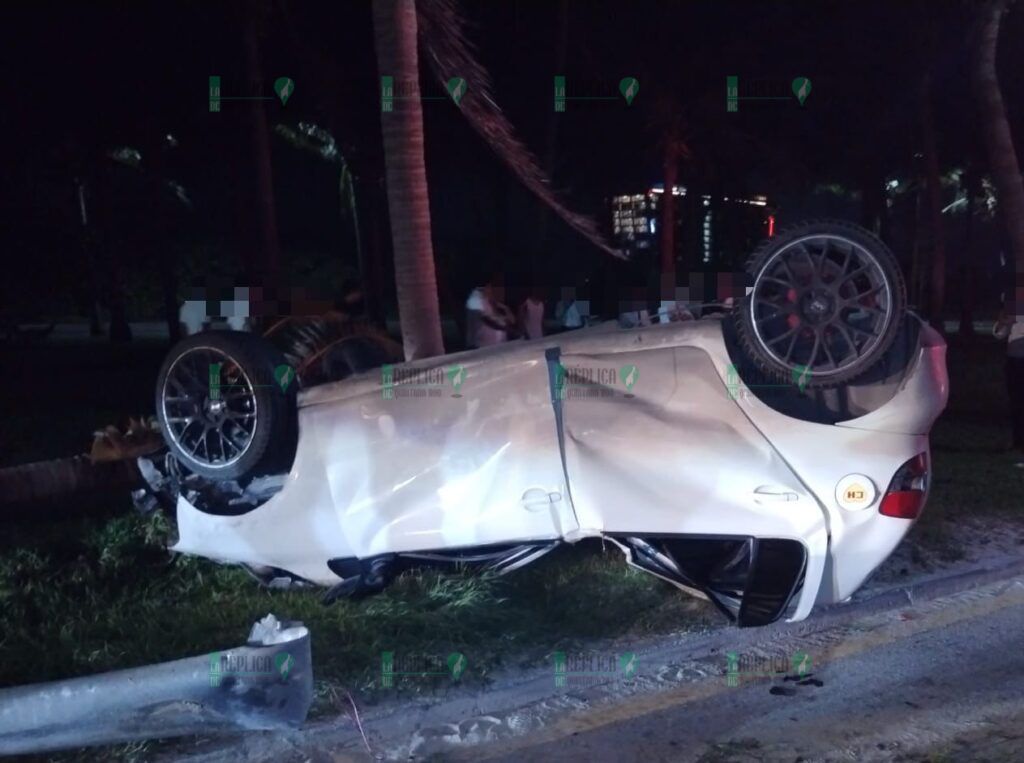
531,316
488,319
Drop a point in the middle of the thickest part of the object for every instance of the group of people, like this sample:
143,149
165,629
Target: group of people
490,321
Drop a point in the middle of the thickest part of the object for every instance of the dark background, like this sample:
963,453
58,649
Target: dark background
83,79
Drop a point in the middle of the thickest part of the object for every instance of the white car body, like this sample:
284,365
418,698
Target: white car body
511,455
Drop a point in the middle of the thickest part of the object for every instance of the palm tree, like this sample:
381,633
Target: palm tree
1003,162
671,128
449,51
394,24
267,257
937,263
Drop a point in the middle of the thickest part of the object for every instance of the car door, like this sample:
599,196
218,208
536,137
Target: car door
459,454
654,444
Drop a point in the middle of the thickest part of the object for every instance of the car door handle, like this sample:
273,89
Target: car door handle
774,494
538,499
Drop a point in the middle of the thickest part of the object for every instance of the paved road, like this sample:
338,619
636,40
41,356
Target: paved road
943,682
936,680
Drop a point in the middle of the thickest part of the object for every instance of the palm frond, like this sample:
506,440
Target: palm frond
450,53
307,341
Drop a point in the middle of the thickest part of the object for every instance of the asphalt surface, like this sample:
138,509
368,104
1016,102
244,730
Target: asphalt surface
940,682
926,672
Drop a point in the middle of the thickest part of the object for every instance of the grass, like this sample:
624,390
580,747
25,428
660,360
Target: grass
108,595
972,466
100,592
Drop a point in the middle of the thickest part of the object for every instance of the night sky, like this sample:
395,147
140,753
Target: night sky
82,79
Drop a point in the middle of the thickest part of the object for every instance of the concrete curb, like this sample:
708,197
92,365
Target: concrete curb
925,590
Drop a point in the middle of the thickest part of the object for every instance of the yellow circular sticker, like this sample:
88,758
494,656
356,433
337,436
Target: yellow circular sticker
855,492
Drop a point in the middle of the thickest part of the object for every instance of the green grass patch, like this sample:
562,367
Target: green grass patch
110,596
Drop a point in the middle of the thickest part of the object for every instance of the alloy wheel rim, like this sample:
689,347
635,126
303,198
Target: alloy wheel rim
820,304
209,407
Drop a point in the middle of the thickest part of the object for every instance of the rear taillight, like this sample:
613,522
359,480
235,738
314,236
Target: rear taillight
907,491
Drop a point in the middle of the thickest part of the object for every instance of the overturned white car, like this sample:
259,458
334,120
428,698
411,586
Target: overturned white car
767,460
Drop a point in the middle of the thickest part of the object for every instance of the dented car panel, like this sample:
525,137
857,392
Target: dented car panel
642,433
657,462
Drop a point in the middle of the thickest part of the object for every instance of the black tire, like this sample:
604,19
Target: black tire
807,284
223,412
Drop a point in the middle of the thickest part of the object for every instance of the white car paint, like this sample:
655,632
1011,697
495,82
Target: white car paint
506,457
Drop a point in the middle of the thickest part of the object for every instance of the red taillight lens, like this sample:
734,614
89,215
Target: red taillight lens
905,497
905,504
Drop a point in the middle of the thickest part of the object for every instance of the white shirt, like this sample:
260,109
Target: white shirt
478,333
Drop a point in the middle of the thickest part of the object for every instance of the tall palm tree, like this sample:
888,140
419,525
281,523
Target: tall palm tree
265,239
933,187
1006,174
670,126
394,24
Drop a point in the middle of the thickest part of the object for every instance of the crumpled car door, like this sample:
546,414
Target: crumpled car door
654,445
417,463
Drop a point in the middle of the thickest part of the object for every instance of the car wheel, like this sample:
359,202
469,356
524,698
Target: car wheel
226,405
826,302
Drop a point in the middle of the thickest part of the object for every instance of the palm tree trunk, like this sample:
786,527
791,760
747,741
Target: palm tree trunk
967,281
1003,162
62,478
265,222
394,24
937,261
